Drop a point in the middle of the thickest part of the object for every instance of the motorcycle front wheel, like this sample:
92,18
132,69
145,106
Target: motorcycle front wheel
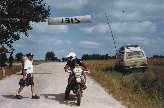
78,96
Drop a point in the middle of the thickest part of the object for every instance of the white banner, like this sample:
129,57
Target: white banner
69,20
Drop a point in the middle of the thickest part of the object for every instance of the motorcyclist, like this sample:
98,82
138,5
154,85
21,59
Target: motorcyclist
71,63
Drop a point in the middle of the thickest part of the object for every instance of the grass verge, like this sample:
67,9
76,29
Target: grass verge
135,90
38,62
10,71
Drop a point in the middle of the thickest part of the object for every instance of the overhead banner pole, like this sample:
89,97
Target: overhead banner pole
69,20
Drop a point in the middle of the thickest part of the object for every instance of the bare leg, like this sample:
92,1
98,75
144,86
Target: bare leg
22,71
32,86
34,96
20,89
3,71
18,96
32,89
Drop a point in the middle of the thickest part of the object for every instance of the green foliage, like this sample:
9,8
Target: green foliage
36,62
97,57
64,59
19,56
153,86
158,56
16,16
133,82
50,56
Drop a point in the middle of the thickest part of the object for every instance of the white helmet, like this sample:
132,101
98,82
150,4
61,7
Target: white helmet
71,54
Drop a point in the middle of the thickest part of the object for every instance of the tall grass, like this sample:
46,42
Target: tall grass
38,62
135,90
10,71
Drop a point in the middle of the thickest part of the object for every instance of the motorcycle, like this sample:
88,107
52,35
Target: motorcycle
76,82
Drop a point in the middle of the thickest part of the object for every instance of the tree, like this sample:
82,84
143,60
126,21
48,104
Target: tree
50,56
158,56
16,16
97,57
64,59
85,57
19,56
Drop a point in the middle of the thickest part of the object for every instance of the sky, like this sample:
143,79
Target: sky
132,22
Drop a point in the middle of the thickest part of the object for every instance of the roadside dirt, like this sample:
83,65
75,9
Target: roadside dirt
50,83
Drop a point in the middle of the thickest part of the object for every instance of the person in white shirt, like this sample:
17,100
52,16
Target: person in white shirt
27,77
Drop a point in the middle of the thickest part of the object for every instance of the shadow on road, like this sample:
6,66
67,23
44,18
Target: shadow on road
60,98
33,73
11,96
42,73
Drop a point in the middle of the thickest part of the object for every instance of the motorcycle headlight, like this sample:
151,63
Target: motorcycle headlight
78,80
77,74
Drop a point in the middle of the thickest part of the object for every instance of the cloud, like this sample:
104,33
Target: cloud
138,10
132,21
134,27
68,42
100,28
153,46
44,29
122,28
89,44
67,4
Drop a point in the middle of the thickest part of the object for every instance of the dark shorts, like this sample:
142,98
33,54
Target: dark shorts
27,82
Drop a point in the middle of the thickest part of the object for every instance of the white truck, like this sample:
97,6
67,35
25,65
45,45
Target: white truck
131,57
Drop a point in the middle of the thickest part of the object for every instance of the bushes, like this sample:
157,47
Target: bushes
133,82
153,86
137,82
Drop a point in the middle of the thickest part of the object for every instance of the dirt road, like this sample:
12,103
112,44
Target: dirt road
50,82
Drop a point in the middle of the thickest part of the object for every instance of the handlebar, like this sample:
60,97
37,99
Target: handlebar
85,71
69,71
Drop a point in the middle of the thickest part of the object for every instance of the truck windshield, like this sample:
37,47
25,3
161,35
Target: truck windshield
135,54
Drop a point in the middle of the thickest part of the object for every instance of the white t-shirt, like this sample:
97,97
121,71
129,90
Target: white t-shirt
28,65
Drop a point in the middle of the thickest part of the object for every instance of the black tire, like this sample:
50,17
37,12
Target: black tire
143,70
78,96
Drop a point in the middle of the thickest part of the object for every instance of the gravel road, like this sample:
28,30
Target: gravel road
50,82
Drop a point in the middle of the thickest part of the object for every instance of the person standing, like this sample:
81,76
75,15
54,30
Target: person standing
27,78
3,59
11,59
